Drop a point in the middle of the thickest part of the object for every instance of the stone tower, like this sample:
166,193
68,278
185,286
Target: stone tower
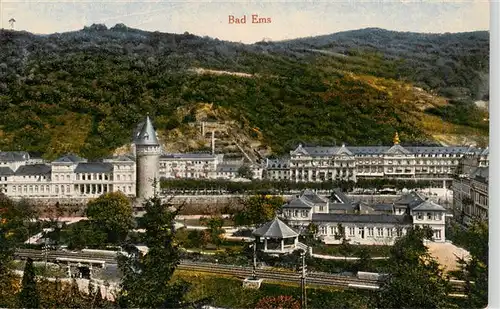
147,152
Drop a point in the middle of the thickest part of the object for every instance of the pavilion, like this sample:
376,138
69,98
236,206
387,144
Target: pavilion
277,237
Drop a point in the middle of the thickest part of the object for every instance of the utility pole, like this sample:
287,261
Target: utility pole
45,253
303,295
254,268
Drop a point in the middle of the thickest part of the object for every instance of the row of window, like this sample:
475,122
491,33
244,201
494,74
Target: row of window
429,216
332,230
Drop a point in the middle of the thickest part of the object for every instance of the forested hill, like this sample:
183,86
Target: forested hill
85,91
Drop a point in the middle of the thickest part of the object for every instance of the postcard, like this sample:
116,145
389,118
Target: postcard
246,154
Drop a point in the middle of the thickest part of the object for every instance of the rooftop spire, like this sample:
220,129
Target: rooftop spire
147,134
396,138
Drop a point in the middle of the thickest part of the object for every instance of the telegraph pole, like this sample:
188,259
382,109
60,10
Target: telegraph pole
303,295
254,268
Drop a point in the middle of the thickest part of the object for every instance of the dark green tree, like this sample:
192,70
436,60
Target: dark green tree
245,172
415,279
215,230
113,214
14,229
146,280
258,209
29,297
475,269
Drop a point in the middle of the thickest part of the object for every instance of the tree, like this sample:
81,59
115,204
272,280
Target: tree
29,298
278,302
113,214
415,279
146,278
258,209
215,229
14,219
475,269
245,172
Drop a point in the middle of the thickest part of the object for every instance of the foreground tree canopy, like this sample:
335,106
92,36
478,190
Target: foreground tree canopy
113,214
146,281
415,278
258,209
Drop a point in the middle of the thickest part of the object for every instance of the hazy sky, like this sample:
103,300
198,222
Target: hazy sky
289,19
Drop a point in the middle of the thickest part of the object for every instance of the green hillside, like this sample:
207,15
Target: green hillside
85,91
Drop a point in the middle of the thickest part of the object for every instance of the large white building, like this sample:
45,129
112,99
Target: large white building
470,188
350,163
362,224
73,177
67,177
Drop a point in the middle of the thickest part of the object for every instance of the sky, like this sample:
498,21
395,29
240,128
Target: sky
289,19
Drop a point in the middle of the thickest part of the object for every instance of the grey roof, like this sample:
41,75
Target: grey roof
377,150
298,202
313,197
339,197
33,170
228,167
13,156
275,229
368,150
188,156
486,151
481,174
120,158
6,171
411,200
278,163
94,167
146,135
70,158
382,207
363,218
338,206
429,205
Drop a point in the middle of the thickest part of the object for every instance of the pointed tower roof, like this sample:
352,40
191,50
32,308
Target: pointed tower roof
147,134
275,229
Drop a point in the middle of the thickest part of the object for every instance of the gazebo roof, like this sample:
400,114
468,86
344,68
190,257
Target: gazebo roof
275,229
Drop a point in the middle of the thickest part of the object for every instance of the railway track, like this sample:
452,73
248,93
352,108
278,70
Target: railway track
314,278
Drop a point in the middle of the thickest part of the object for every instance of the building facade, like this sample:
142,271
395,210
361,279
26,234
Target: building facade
338,218
317,164
470,188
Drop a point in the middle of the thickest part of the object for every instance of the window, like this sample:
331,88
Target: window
380,232
438,216
323,230
332,230
419,216
321,208
389,232
351,231
437,234
370,231
399,232
429,216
